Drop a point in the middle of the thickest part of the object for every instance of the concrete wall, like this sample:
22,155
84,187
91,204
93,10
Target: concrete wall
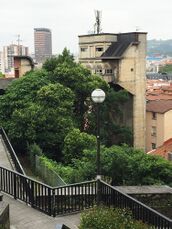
128,72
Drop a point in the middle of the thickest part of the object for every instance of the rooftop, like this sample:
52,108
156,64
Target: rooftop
159,106
163,150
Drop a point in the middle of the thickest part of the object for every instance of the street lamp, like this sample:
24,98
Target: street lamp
98,96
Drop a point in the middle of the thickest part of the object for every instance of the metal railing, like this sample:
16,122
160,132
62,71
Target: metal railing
112,197
11,151
52,201
75,197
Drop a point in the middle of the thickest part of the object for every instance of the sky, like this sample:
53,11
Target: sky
69,18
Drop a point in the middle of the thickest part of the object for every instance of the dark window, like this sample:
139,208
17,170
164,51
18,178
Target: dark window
83,49
153,115
99,71
99,49
108,71
153,131
153,146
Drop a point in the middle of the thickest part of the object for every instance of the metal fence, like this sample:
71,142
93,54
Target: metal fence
113,198
75,197
11,151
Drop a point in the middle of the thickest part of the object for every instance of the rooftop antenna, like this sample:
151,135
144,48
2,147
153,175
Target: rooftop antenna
97,25
137,28
18,43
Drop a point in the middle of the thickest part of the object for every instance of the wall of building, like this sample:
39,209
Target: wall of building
129,72
167,125
132,77
158,137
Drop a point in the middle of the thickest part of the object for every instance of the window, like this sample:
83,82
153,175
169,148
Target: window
108,71
99,71
153,131
153,146
99,49
84,49
153,115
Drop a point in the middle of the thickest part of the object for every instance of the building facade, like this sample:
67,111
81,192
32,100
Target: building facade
120,59
158,119
43,44
8,55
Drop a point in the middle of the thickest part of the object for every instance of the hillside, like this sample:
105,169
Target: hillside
163,47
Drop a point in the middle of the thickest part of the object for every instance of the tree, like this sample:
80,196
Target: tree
167,68
125,166
75,143
66,57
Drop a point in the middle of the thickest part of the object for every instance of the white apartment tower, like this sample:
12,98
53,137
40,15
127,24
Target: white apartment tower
8,55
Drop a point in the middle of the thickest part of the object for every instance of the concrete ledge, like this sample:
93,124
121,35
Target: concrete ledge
4,215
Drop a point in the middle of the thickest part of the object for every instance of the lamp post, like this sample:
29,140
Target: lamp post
98,96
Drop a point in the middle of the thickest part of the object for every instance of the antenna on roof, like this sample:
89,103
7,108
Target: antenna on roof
18,43
137,28
97,25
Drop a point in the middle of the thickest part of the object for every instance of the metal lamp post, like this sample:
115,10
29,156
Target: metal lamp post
98,96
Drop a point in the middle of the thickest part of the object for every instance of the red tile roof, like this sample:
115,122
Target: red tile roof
159,106
163,150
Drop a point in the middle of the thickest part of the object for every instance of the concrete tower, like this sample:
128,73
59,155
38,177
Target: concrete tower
120,60
43,44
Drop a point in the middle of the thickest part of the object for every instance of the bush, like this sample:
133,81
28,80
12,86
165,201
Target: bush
33,150
109,218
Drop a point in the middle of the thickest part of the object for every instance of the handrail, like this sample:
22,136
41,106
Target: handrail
10,149
75,197
113,197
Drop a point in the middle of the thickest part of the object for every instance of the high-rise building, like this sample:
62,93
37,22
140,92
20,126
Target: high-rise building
8,55
43,44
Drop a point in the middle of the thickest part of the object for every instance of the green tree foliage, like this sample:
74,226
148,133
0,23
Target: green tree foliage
125,166
75,143
167,68
109,218
112,129
2,75
43,106
66,57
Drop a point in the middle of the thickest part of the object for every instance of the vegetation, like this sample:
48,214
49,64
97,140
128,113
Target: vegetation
107,218
166,69
49,112
45,105
2,75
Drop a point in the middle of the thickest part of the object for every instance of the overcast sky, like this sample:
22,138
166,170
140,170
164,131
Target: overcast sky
69,18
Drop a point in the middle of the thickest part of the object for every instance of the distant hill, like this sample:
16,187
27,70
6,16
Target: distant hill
163,47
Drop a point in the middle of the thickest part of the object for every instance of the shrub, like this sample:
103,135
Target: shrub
109,218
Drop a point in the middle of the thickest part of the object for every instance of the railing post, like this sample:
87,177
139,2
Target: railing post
49,202
0,179
53,203
15,186
98,192
32,194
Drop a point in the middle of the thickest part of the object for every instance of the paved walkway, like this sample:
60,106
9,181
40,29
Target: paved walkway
25,217
4,160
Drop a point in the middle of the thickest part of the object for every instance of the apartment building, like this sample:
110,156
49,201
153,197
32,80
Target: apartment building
43,44
120,59
8,55
158,123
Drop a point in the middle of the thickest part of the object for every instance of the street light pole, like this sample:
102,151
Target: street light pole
98,96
